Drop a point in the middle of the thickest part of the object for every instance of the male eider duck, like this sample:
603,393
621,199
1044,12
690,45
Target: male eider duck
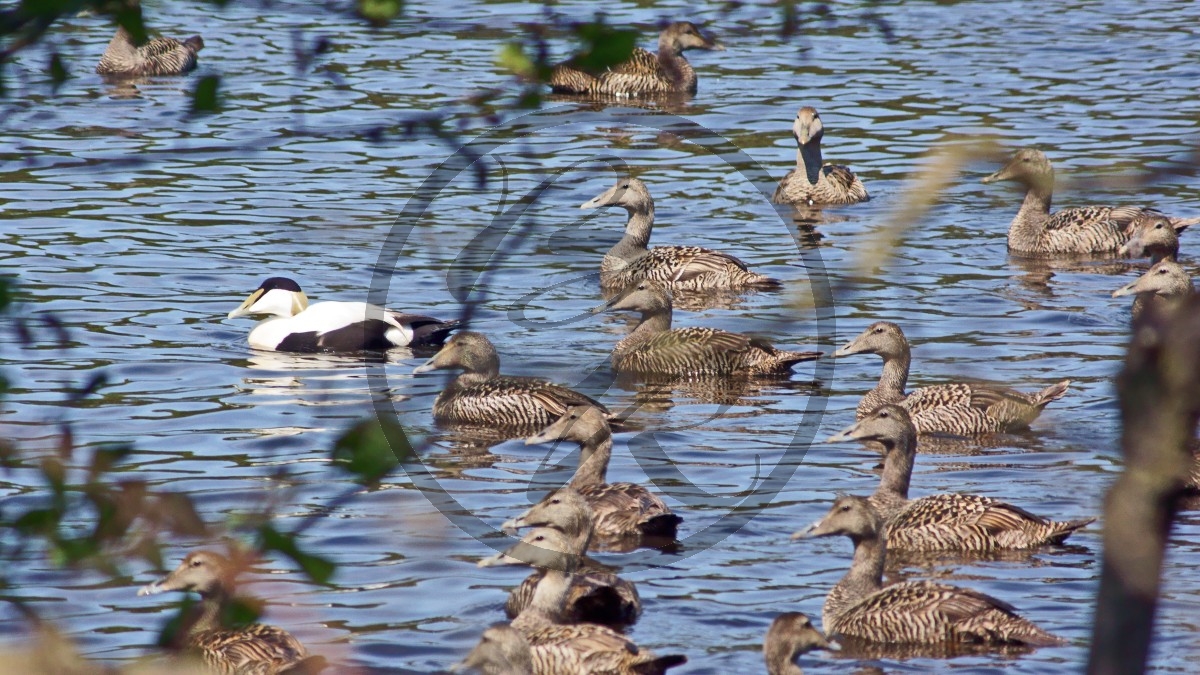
1079,230
960,408
295,326
811,183
256,648
943,522
655,348
910,612
159,56
667,72
690,268
570,649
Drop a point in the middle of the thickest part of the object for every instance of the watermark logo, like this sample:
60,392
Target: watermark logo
709,517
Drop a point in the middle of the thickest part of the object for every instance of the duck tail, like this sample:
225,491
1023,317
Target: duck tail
1051,393
664,525
1060,531
1181,224
660,665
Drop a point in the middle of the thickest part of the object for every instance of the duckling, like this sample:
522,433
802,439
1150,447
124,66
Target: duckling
811,183
1079,230
502,650
959,408
295,326
1166,285
667,72
679,267
570,649
256,649
620,510
791,634
481,397
159,56
945,521
596,595
655,347
912,612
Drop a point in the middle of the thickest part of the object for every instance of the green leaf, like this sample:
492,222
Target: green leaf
38,520
512,57
58,72
204,96
317,568
604,46
371,448
380,12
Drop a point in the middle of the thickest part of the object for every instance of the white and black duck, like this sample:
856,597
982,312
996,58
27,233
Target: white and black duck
296,326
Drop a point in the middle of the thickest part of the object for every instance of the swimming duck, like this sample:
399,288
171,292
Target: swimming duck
502,650
1154,238
1166,285
1079,230
570,649
655,347
159,56
911,612
959,408
942,522
597,595
680,267
619,510
667,72
791,634
256,649
811,183
481,397
296,326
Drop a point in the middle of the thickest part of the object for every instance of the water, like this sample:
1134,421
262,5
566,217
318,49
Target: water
142,259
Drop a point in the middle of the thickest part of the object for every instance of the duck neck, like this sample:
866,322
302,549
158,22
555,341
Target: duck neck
1034,212
637,236
594,455
897,470
208,613
550,596
866,571
677,68
808,160
895,376
652,323
779,661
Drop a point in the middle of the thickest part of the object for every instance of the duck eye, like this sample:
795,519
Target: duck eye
625,186
883,413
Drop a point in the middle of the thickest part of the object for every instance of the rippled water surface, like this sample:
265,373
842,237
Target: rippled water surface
140,227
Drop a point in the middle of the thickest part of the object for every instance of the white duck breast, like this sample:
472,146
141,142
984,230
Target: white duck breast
332,326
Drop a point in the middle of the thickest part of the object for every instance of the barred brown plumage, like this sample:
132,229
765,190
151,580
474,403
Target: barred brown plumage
655,347
596,595
678,267
1166,285
1078,230
791,634
912,612
622,513
811,183
941,522
574,649
256,649
959,408
667,72
481,397
158,56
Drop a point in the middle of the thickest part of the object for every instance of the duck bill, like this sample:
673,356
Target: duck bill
713,44
850,433
609,196
244,308
1003,173
814,529
163,585
550,433
1128,289
435,362
851,347
511,525
499,560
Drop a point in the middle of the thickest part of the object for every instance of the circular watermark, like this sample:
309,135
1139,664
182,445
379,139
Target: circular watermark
495,243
